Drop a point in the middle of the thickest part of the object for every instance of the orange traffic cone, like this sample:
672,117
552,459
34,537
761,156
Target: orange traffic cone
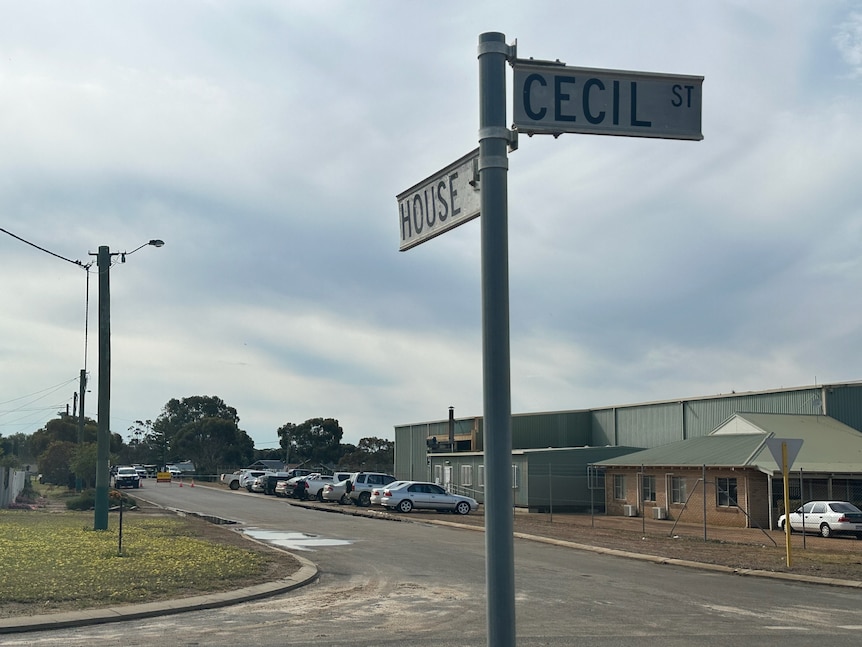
181,482
193,483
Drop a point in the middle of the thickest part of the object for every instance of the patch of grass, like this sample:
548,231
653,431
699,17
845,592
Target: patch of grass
56,559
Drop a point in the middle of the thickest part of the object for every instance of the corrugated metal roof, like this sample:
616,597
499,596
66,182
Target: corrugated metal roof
827,445
728,450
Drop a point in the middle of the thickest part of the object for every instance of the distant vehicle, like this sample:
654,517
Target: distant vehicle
314,484
257,484
269,481
142,472
246,480
827,518
281,488
362,483
337,492
126,477
377,493
175,471
419,495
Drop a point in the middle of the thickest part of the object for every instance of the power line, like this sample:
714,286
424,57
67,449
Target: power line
47,251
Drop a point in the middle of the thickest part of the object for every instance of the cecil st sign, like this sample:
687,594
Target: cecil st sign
554,98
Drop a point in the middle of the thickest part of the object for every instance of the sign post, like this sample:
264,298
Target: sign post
785,451
549,98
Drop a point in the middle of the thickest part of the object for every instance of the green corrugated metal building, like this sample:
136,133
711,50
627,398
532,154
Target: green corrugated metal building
423,449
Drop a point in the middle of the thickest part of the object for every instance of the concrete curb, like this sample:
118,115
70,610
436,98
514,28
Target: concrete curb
307,573
792,577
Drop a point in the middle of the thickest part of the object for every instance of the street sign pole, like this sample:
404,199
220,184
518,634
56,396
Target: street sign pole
784,451
493,169
784,473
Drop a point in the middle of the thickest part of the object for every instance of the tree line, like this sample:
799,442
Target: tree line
201,429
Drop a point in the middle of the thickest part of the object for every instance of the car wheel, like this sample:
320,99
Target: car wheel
234,485
825,530
462,507
364,499
344,500
319,496
405,506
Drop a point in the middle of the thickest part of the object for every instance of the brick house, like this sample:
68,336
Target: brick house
730,477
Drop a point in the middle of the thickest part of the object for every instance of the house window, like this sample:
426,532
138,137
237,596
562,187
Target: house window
515,477
677,489
466,475
620,487
726,492
481,476
648,487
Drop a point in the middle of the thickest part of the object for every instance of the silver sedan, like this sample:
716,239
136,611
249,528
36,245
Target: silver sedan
407,495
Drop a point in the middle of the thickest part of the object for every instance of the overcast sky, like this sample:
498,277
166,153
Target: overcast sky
265,143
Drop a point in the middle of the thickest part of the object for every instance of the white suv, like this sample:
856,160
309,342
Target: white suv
361,484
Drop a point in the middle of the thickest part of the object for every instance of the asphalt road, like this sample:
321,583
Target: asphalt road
385,583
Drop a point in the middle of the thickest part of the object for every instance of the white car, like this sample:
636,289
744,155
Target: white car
425,496
377,493
827,518
336,492
315,483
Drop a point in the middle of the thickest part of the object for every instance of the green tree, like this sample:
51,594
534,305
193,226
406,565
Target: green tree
65,429
204,430
316,441
83,462
211,443
371,454
55,463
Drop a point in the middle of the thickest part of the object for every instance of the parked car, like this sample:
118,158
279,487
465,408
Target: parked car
314,484
337,492
362,483
142,472
827,518
408,495
257,484
126,477
377,493
246,479
268,481
281,488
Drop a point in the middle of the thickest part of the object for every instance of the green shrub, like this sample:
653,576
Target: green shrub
87,500
84,501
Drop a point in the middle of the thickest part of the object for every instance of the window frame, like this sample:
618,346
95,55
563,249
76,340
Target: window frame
678,489
648,489
620,487
726,491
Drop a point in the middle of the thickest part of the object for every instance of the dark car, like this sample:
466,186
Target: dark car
270,479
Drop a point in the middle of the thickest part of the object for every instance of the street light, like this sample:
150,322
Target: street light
103,445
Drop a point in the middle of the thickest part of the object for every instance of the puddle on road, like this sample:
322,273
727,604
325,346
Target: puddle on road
294,540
